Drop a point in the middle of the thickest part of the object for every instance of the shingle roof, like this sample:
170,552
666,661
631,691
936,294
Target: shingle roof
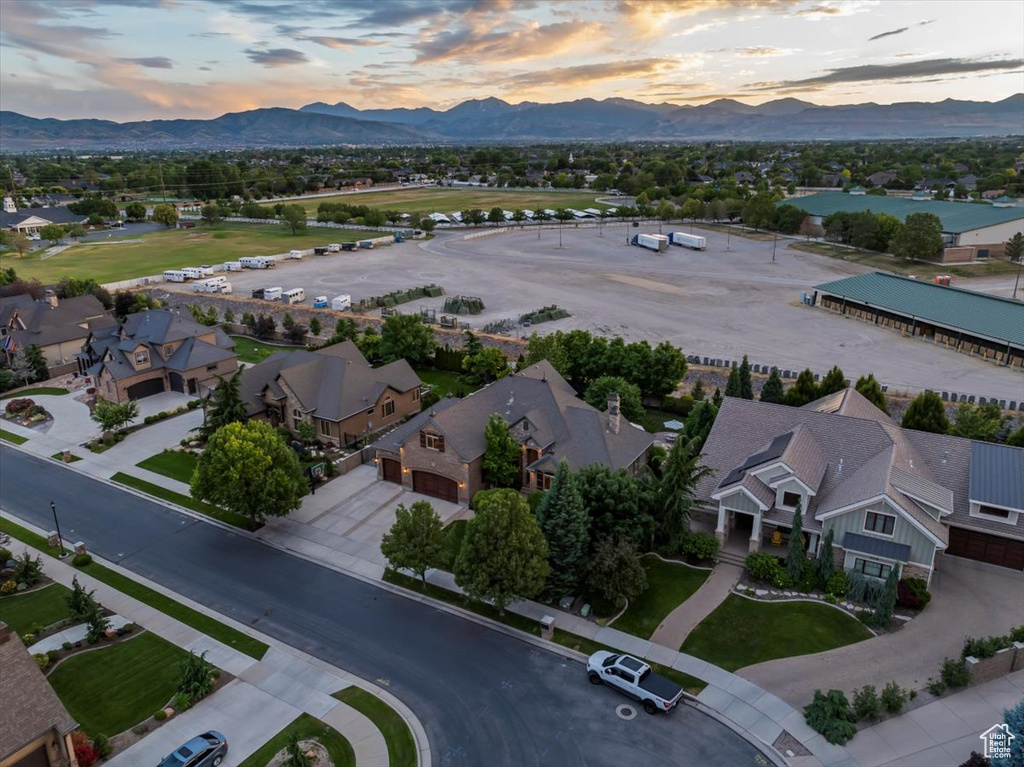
866,544
561,423
956,217
997,475
55,215
333,383
41,324
865,459
849,402
992,317
28,705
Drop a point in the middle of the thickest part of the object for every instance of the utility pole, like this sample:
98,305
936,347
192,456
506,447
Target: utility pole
163,193
1016,282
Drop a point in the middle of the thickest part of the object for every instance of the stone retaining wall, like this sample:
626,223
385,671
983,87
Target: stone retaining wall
1000,664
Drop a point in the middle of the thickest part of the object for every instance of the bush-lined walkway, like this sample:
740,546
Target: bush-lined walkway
670,586
674,629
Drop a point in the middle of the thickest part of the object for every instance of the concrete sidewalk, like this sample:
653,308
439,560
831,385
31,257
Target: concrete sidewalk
680,622
291,680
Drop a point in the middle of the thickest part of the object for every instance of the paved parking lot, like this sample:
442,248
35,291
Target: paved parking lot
729,300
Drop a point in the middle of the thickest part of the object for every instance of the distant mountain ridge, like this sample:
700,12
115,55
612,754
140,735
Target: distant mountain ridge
494,120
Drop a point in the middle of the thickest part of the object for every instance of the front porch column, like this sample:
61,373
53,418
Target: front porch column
720,532
755,534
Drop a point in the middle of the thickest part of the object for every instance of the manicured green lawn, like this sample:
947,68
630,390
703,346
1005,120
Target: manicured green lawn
35,392
742,632
453,535
669,584
111,689
401,745
436,200
123,258
165,604
60,457
253,351
43,606
174,464
445,381
16,439
654,420
306,727
237,520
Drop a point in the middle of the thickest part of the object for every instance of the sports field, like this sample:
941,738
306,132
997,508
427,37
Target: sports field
139,256
436,200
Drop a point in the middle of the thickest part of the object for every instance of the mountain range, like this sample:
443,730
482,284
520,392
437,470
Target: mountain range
492,120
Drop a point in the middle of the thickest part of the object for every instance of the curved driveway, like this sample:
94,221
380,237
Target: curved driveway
485,698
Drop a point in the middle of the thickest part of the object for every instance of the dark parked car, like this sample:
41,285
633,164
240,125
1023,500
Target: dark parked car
206,750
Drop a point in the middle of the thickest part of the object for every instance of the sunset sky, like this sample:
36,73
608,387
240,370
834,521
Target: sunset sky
143,59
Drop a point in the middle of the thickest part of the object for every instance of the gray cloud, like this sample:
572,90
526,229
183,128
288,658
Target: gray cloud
340,43
205,69
903,71
151,62
276,57
525,42
890,33
586,73
406,12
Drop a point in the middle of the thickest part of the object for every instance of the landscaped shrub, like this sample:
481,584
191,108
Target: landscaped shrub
862,588
128,628
976,760
193,404
5,556
28,570
84,752
160,715
81,560
838,584
894,698
19,406
809,578
195,676
831,716
913,593
41,659
1017,633
66,646
8,587
102,745
52,656
700,545
680,406
984,647
954,673
181,702
936,686
762,567
866,703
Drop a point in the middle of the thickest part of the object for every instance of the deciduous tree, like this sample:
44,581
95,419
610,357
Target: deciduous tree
405,336
210,214
501,464
504,555
629,396
981,422
248,469
488,364
135,211
615,572
416,539
680,474
112,416
920,237
294,217
699,422
165,214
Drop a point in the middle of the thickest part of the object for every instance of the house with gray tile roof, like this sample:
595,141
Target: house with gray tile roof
58,327
334,389
156,351
440,452
889,495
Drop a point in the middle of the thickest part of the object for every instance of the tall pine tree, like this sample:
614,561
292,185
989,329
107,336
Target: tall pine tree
566,526
871,390
224,406
926,413
825,564
803,391
796,555
732,386
680,474
746,386
772,391
833,381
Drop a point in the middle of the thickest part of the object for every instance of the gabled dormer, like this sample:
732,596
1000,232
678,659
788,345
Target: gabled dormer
139,357
996,487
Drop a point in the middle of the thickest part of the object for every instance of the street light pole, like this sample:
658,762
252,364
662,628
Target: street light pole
60,541
775,242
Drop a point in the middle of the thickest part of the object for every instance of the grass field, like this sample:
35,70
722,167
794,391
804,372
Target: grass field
148,254
401,745
445,381
668,585
109,690
251,350
742,632
187,501
923,270
435,200
14,439
197,620
305,727
42,606
35,392
176,465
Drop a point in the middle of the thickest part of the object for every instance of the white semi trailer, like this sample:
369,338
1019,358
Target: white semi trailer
692,241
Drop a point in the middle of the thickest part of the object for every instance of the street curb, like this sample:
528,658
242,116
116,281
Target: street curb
412,721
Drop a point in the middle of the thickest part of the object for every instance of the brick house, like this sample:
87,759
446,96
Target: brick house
156,351
440,452
35,728
890,495
334,389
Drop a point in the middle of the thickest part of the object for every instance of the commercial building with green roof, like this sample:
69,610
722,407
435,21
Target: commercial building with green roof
975,323
982,227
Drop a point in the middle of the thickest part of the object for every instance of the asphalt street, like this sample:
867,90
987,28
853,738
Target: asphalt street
485,698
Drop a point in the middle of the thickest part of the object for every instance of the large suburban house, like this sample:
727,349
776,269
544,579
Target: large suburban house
35,728
58,327
31,220
156,351
440,452
889,495
334,389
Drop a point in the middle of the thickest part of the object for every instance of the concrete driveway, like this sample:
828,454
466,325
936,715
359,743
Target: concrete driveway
968,599
246,715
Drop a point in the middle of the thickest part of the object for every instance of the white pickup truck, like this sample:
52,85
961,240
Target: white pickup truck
636,679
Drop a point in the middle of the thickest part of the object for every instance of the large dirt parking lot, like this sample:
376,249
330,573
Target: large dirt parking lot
721,302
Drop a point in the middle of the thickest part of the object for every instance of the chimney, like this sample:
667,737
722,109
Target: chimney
614,416
9,206
51,298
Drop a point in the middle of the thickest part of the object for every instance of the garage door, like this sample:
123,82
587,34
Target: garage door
392,470
986,547
146,388
435,485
